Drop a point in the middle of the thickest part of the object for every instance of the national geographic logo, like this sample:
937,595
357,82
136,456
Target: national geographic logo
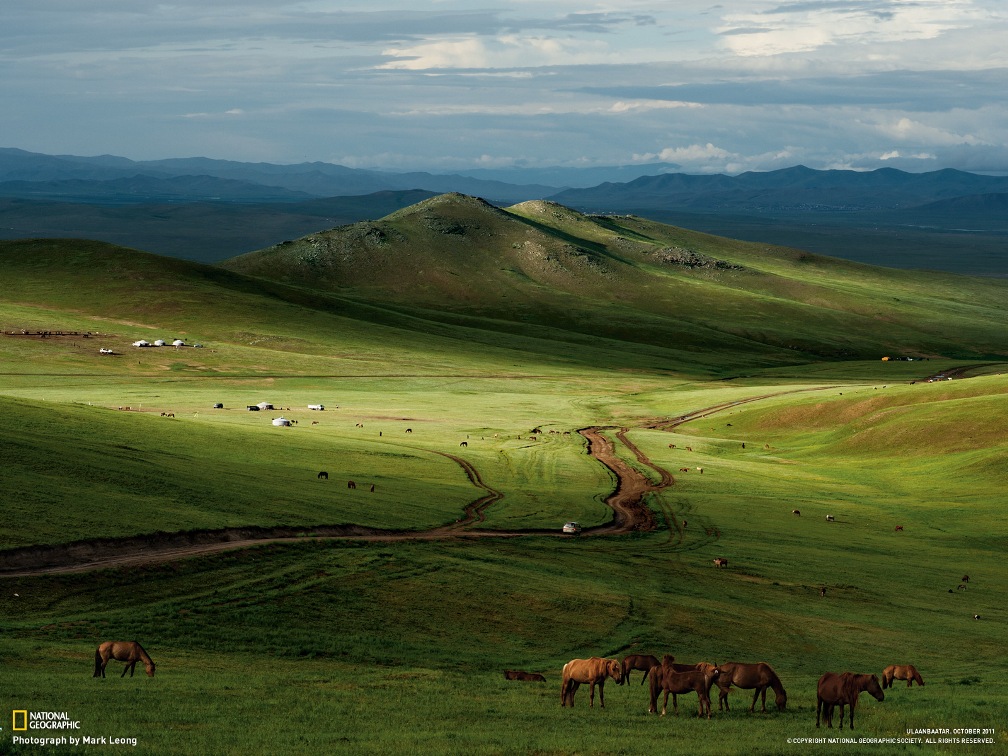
23,720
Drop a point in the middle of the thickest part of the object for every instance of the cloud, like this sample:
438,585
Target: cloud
808,26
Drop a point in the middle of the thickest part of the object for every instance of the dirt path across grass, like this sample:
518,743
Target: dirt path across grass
627,501
630,512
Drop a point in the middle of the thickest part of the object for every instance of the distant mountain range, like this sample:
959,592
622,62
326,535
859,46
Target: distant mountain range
208,209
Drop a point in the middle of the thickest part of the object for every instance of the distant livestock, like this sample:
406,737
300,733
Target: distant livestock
323,475
830,518
464,443
720,562
351,484
520,674
796,513
906,672
899,528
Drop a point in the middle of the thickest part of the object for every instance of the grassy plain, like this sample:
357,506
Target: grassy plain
347,645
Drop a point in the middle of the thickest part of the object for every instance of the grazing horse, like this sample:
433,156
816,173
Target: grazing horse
464,443
351,484
520,674
593,671
323,475
843,689
638,661
697,680
720,562
899,528
796,513
125,651
757,677
830,518
906,672
965,578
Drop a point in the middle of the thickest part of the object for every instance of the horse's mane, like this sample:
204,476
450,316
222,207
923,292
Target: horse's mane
775,682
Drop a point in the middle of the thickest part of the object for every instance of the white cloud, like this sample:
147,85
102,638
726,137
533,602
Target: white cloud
807,26
909,130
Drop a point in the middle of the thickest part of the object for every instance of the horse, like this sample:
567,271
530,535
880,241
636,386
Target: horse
757,677
720,562
323,475
796,512
899,528
125,651
965,578
351,484
830,518
698,680
593,671
906,672
520,674
638,661
843,689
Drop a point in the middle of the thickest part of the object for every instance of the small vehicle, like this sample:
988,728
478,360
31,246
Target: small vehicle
571,527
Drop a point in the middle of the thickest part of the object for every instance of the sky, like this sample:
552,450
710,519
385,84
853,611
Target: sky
452,85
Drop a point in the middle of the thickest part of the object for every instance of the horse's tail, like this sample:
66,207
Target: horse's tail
97,663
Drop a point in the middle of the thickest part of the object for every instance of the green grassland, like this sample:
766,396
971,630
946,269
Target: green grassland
397,646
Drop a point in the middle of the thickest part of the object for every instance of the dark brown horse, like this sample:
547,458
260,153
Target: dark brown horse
638,661
520,674
125,651
843,689
593,671
697,680
906,672
757,677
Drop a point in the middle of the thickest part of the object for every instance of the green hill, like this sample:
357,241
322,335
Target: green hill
636,281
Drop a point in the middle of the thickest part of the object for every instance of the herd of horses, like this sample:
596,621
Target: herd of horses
666,676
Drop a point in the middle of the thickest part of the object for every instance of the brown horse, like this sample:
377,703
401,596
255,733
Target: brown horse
697,680
520,674
638,661
906,672
593,671
843,689
757,677
125,651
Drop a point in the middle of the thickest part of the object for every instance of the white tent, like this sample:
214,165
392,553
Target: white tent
281,421
141,343
178,343
318,407
159,342
264,405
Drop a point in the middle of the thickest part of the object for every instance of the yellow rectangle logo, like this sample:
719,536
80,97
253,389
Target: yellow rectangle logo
24,719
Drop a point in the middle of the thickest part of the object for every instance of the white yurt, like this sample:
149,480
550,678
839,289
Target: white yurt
316,407
264,406
159,342
278,421
141,343
178,343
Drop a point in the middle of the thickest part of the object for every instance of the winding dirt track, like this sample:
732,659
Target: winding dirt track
627,501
